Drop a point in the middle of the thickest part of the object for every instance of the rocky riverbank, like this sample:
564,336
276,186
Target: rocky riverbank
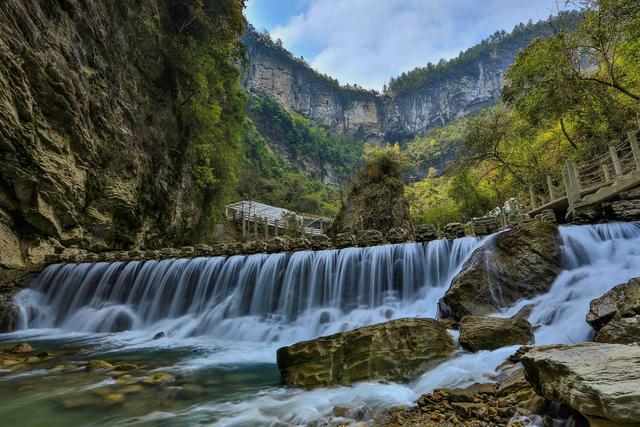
593,383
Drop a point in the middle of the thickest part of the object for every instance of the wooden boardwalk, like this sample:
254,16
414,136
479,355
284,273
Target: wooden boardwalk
596,181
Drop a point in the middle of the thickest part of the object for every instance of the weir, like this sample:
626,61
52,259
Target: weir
301,295
232,314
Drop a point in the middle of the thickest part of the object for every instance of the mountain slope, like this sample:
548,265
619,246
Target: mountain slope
415,102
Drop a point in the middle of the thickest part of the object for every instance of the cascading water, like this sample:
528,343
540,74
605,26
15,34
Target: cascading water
262,298
235,312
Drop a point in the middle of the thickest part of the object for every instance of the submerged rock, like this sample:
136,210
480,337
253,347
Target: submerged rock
97,365
597,380
489,333
616,314
396,350
158,378
23,347
516,264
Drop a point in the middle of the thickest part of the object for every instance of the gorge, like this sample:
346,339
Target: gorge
198,228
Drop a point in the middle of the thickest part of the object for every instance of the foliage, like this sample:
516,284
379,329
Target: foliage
302,140
201,60
268,178
382,162
569,95
429,202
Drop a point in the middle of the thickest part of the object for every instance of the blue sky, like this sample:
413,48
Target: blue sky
368,41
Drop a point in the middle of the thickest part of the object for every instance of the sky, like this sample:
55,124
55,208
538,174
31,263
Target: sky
366,42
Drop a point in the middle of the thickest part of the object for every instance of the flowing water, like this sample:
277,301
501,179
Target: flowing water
217,323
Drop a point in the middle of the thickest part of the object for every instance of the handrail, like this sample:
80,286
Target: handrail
576,180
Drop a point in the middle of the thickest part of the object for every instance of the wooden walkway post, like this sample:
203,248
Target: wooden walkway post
244,224
255,227
574,177
275,227
568,188
616,161
532,197
266,227
605,172
633,142
550,187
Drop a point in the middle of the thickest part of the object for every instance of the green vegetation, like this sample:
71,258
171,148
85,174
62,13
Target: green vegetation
499,48
567,96
303,141
201,65
268,178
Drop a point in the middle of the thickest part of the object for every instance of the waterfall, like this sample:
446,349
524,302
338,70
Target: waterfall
237,311
280,297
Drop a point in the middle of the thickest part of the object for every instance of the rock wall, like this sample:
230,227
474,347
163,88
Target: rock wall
91,145
274,72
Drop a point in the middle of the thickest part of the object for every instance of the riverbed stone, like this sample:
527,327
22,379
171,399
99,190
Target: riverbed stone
396,350
426,233
97,365
369,238
23,347
518,263
489,333
598,380
454,230
320,242
398,235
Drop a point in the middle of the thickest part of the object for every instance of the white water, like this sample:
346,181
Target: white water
240,310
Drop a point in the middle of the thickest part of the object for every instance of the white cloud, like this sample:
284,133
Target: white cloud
368,41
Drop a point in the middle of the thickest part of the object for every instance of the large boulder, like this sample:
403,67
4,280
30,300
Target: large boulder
374,203
616,314
396,350
489,333
601,381
515,264
426,233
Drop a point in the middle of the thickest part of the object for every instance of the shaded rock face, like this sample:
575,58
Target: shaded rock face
616,314
378,205
396,350
91,147
516,264
601,381
489,333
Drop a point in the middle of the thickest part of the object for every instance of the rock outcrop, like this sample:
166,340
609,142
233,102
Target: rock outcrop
518,263
616,314
479,405
377,204
396,350
93,151
601,381
489,333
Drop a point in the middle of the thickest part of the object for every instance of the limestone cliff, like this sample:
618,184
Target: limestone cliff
274,72
92,147
418,101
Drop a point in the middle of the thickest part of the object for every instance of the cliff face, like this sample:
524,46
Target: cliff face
92,148
459,87
272,71
414,112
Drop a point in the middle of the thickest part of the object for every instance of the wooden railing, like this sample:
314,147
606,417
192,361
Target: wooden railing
577,180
